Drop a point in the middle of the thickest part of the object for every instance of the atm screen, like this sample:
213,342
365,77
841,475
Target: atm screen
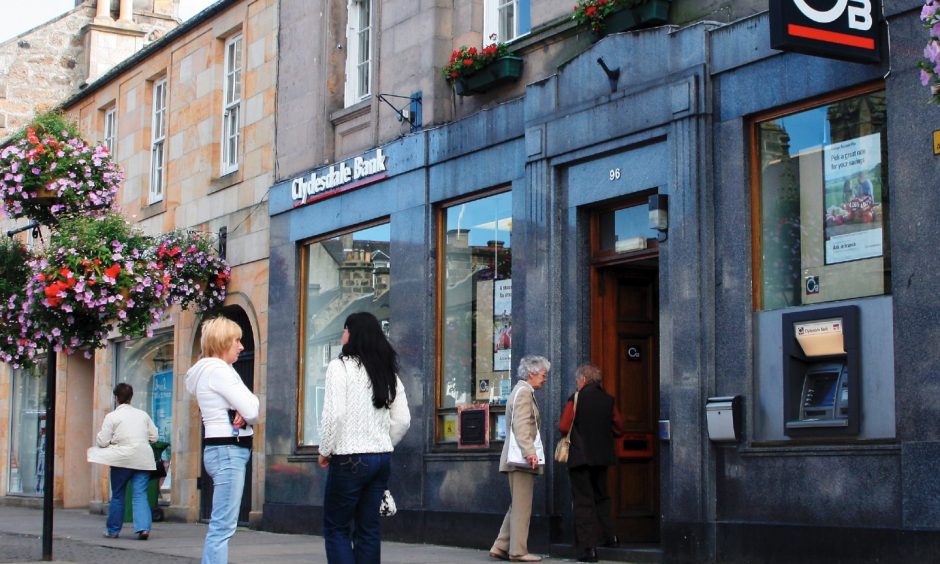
821,389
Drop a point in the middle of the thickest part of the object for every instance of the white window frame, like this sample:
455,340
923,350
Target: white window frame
110,130
231,104
358,51
495,16
158,142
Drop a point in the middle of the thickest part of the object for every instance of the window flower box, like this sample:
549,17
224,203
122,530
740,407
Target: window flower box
613,16
500,71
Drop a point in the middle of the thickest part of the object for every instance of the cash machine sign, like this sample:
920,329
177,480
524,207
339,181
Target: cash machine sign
840,29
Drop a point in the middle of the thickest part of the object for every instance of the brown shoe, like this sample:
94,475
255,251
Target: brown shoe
525,558
499,554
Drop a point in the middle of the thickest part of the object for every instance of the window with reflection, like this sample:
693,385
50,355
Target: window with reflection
28,430
147,365
342,275
822,199
476,311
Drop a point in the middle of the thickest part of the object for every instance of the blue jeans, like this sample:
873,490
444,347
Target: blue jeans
139,503
354,488
226,465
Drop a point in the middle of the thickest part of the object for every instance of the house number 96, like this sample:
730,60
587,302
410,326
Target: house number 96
615,174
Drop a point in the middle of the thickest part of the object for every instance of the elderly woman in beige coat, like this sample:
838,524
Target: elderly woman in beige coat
124,445
523,413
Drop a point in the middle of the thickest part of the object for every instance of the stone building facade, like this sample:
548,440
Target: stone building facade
557,169
177,176
42,66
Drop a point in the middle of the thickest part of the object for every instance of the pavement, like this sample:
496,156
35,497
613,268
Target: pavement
78,537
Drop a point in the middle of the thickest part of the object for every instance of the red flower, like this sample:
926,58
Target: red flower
454,74
113,271
590,11
468,62
52,293
472,51
65,273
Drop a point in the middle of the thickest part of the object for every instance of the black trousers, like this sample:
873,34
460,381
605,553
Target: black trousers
592,522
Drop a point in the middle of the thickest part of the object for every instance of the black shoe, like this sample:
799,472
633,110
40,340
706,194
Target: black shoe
612,542
588,555
143,535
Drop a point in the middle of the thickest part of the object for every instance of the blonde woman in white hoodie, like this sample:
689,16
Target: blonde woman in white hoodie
228,410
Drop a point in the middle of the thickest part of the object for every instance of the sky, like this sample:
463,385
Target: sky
17,16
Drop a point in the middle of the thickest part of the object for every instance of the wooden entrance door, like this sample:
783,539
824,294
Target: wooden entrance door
626,348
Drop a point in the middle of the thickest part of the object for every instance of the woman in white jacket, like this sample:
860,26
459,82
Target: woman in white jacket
228,410
365,414
124,444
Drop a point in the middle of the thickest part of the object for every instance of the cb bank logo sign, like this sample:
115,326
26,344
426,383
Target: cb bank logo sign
840,29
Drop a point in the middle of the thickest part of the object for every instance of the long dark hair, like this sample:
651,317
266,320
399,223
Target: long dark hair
368,346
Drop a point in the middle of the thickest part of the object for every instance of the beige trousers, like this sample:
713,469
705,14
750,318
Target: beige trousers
514,534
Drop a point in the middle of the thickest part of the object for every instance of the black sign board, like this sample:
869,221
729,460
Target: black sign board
840,29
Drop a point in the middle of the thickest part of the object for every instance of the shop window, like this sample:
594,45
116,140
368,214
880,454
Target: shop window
505,20
344,274
157,141
358,51
821,201
28,431
475,346
231,110
147,365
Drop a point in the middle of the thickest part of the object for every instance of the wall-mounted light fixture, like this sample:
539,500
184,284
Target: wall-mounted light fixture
659,215
411,113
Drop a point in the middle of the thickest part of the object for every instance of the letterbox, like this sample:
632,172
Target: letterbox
723,415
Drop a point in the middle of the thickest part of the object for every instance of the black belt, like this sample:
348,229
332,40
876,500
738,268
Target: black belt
244,442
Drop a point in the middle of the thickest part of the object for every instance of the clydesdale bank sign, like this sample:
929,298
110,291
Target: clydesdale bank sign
338,178
840,29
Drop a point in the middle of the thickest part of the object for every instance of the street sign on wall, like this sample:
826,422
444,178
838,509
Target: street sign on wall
840,29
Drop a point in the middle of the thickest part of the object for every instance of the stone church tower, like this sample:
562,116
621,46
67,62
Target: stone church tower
45,65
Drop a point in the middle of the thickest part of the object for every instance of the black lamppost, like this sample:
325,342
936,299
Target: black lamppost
49,459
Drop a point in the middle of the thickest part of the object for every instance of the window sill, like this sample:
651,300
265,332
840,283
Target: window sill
151,210
352,112
224,181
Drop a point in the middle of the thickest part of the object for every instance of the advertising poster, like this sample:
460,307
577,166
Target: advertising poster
853,199
162,403
502,325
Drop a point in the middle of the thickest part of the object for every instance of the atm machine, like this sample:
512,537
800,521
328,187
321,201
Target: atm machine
821,372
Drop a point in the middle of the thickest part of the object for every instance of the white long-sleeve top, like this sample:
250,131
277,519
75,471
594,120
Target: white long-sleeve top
124,439
218,388
350,424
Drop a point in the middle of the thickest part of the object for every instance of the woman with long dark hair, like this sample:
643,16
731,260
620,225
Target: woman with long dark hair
365,414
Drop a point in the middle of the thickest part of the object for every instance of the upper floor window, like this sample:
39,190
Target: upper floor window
821,202
505,20
341,275
359,51
157,141
232,104
110,129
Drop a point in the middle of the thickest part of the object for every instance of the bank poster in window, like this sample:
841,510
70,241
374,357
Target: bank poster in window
853,199
502,325
161,399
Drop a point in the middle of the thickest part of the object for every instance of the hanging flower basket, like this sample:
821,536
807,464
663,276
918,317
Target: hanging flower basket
199,276
97,272
930,64
16,346
48,172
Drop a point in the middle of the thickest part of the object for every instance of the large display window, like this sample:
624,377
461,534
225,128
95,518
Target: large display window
28,431
342,274
475,313
821,202
147,365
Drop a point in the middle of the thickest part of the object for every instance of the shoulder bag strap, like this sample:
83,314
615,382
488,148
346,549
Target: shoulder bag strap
573,415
